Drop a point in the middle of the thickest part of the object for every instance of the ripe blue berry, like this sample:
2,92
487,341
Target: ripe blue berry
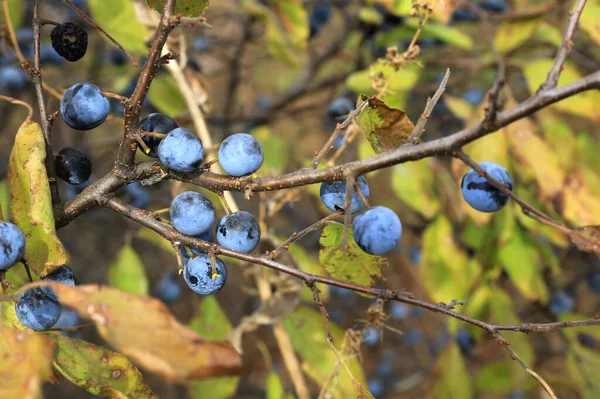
192,213
561,302
83,107
136,195
169,288
333,195
239,231
12,245
465,341
377,230
208,235
240,154
199,276
376,387
181,150
371,337
62,275
73,166
480,194
12,79
157,123
340,108
36,310
318,17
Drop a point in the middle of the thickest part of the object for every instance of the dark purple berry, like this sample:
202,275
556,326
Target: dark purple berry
73,166
69,40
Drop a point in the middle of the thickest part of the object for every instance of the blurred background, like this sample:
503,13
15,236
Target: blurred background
287,71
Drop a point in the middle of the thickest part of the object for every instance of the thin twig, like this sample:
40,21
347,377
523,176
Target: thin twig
95,25
19,102
564,49
419,128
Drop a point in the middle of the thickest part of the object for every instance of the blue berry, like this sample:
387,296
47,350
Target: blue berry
464,15
413,336
495,6
36,310
561,302
319,15
474,96
83,107
181,150
480,194
12,79
339,141
63,275
192,213
239,231
12,245
68,318
137,195
587,340
117,57
465,341
414,254
371,337
73,166
594,282
157,123
340,108
399,311
49,56
377,230
376,387
199,276
169,288
333,195
240,155
516,395
201,44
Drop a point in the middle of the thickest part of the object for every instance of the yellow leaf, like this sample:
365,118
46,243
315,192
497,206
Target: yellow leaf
580,206
143,329
26,361
30,200
512,34
589,20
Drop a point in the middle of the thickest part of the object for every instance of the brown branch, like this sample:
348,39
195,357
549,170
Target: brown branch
36,77
565,48
133,107
419,128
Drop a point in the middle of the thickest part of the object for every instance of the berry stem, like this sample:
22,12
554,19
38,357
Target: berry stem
48,22
224,200
19,102
176,246
360,194
27,270
153,134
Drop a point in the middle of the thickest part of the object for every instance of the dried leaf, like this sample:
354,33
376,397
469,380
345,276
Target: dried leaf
99,370
587,238
143,329
26,363
386,128
31,203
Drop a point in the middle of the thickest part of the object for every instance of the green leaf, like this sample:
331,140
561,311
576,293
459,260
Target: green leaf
212,323
26,363
127,272
583,365
589,20
584,104
276,149
560,137
352,265
494,377
4,201
385,127
143,330
446,270
15,9
459,107
521,260
548,34
98,370
118,18
165,96
512,34
454,378
448,34
278,41
414,183
306,330
294,19
275,388
31,203
187,8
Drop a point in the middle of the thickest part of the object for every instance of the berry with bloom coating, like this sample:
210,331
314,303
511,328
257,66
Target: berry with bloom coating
36,310
480,194
64,275
240,155
377,230
333,195
157,123
239,231
83,107
192,213
200,277
181,150
12,245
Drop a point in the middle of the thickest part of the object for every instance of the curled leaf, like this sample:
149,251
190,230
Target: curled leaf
143,329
